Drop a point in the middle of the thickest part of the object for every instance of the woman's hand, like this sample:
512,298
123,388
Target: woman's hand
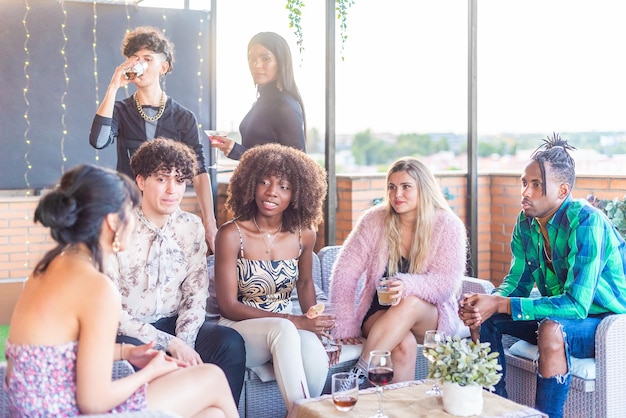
320,325
333,356
140,355
397,286
119,77
161,364
350,341
222,143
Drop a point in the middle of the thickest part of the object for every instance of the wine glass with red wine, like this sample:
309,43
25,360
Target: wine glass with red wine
379,373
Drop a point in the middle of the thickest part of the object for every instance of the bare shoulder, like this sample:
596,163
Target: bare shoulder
309,237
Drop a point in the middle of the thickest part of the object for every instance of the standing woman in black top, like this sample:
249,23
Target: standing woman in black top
150,113
278,114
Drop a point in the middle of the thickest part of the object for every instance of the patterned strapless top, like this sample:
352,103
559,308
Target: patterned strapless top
266,284
43,382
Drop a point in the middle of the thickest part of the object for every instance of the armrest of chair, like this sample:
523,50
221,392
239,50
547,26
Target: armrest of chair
610,365
327,256
475,285
122,368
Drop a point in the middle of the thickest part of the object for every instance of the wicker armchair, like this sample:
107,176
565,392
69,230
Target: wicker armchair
120,369
599,397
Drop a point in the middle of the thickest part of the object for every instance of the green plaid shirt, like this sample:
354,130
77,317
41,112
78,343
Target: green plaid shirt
589,261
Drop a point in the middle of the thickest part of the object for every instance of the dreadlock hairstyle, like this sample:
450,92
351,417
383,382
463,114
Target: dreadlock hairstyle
554,151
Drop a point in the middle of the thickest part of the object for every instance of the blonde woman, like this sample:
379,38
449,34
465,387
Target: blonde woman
415,239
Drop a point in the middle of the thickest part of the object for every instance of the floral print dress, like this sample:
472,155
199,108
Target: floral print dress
42,382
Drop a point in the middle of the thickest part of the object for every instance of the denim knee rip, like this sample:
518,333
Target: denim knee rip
560,378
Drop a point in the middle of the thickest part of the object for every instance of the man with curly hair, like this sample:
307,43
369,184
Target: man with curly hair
276,195
574,256
163,276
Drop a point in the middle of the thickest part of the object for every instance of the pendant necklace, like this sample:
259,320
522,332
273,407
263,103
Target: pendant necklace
268,244
143,114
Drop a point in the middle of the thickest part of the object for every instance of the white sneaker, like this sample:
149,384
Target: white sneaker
360,375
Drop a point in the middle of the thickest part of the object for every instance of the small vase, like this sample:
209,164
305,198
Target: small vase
462,401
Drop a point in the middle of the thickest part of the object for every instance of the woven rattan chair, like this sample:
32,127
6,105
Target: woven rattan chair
599,397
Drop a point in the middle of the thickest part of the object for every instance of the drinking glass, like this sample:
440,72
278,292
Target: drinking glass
214,136
379,373
345,391
384,292
431,339
328,343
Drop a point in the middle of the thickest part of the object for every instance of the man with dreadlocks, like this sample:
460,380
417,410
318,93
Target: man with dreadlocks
577,260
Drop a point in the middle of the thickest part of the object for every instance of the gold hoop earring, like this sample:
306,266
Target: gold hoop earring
116,243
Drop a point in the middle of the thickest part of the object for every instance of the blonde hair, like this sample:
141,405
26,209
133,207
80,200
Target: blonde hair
430,199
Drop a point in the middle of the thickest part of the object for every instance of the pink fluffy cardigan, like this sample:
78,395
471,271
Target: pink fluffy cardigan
364,254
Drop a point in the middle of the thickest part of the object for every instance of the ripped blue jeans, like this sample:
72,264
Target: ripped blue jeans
579,337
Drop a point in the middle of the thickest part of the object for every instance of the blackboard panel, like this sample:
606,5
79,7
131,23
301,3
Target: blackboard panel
32,108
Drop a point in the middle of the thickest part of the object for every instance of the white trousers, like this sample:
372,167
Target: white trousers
299,359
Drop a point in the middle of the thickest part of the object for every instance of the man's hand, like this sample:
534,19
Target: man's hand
181,351
474,308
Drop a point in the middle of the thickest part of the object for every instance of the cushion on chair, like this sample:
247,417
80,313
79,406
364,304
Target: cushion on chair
585,368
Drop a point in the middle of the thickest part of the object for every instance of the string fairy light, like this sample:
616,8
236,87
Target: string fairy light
64,95
25,95
94,44
200,78
27,120
126,3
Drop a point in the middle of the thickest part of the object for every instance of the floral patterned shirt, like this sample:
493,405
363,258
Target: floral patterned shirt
162,274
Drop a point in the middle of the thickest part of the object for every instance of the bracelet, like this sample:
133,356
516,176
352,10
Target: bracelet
122,351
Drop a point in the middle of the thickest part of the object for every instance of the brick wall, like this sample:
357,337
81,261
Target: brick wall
22,242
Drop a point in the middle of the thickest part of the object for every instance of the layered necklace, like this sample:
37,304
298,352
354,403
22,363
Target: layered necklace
142,113
268,238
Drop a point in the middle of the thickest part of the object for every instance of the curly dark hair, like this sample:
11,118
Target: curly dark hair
307,178
554,151
150,38
162,155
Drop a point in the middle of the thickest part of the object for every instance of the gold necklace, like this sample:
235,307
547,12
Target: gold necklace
150,118
545,251
268,245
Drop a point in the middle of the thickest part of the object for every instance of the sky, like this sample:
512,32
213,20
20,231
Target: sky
543,65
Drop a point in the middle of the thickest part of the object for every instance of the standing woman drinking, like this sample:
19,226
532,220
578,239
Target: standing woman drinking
276,195
278,114
415,239
150,113
61,343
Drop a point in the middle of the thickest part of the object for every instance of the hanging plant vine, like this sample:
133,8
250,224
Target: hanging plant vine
295,14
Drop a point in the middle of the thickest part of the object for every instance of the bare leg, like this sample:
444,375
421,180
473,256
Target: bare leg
397,330
198,391
552,361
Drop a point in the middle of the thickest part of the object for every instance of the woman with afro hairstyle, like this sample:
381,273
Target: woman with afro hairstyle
276,195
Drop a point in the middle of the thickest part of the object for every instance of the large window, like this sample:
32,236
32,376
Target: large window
552,66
